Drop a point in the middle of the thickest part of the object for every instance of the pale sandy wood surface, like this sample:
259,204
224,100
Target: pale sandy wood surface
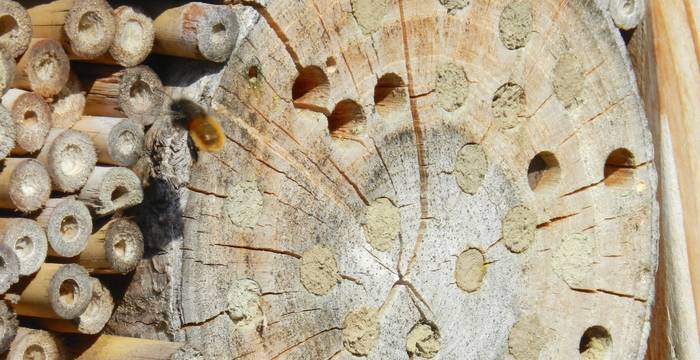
413,218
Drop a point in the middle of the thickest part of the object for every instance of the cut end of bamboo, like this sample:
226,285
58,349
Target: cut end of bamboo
123,245
134,37
43,68
9,268
141,94
36,344
8,326
32,116
118,141
90,27
70,291
7,71
15,28
68,104
95,316
217,31
68,226
28,240
28,184
111,189
70,157
8,131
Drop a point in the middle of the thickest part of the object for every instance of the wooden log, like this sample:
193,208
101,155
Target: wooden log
68,105
9,267
7,71
116,248
15,28
8,326
32,116
68,226
28,240
24,185
8,131
93,319
118,141
197,31
36,344
133,39
85,27
57,291
136,92
109,347
43,68
111,189
70,157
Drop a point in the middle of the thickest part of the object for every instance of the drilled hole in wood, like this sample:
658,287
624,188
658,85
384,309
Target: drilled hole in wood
34,352
118,192
595,344
69,292
346,121
8,25
253,74
389,94
310,89
543,173
24,246
69,228
619,168
331,65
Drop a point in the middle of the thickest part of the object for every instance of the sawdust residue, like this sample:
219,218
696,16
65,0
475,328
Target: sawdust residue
573,260
470,270
423,340
361,331
453,5
383,224
244,204
518,228
452,86
470,168
244,300
568,80
508,105
369,13
515,24
318,271
527,338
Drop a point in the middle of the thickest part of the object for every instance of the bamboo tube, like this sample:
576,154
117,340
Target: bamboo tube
118,141
136,92
7,71
8,326
28,240
133,39
31,344
69,156
197,31
8,131
9,268
117,247
93,319
15,27
32,117
68,225
24,185
111,189
109,347
68,104
57,291
85,27
43,68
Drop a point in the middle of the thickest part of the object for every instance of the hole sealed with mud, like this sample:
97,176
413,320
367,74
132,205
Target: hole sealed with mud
423,340
140,96
347,121
24,247
390,95
619,168
90,27
331,65
508,105
311,89
596,344
470,269
543,173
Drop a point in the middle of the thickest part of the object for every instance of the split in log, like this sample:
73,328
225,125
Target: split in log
32,116
197,31
36,344
15,28
24,185
118,141
68,105
56,292
70,157
111,189
116,248
68,225
43,68
93,319
9,267
8,131
85,27
136,92
28,240
8,326
7,71
133,40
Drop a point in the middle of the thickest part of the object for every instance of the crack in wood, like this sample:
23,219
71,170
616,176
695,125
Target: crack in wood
263,249
305,340
276,29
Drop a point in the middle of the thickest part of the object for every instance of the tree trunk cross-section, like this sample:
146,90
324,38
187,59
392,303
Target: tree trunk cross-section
407,179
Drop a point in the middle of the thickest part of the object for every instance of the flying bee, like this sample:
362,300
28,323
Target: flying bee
204,130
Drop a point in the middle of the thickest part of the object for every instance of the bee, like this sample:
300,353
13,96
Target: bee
204,130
